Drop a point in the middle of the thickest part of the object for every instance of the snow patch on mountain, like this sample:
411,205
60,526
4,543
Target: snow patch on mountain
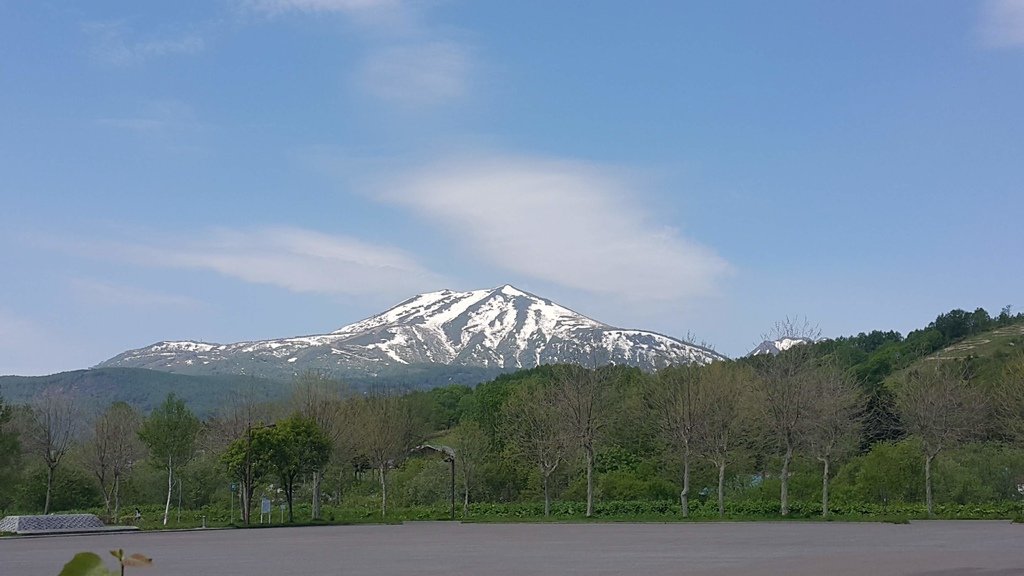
502,328
774,347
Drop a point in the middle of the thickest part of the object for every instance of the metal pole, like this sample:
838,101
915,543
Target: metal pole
246,480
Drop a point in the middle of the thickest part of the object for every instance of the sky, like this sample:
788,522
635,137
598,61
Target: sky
229,170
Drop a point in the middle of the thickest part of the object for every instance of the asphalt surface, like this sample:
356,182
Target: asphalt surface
932,548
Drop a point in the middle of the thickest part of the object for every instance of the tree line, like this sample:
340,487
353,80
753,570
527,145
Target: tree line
730,429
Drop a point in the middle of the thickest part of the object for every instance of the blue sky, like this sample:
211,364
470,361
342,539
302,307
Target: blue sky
245,169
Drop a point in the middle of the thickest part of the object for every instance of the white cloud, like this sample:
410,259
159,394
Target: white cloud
569,223
417,75
112,45
1002,24
291,258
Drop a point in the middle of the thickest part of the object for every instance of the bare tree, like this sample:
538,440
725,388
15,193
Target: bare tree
112,451
583,396
536,432
48,430
836,420
723,390
785,395
471,446
672,397
1009,398
384,427
939,406
318,397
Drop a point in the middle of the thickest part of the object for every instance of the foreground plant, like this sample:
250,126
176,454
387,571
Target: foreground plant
90,564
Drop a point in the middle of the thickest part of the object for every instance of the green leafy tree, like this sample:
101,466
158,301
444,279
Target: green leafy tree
170,432
294,446
10,456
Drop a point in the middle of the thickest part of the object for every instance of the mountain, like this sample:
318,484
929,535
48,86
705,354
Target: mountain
478,334
774,347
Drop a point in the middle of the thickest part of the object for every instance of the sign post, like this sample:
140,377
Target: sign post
265,508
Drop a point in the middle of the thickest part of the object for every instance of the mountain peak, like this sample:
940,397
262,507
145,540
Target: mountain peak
499,329
511,290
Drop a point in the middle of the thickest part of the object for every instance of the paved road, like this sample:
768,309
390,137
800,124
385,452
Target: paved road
935,548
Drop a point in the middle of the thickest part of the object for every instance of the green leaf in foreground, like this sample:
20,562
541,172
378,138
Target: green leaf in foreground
85,564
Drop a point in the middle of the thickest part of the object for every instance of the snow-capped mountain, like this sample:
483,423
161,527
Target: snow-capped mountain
497,330
774,347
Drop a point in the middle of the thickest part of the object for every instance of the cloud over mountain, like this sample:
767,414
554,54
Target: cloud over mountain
570,223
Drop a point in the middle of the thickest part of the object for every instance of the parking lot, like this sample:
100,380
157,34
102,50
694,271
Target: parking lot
938,548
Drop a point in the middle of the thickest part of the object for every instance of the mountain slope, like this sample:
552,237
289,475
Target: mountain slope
495,330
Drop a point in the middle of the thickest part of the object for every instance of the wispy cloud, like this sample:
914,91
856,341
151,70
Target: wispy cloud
570,223
291,258
157,116
113,44
1002,24
109,294
26,346
417,75
348,6
407,64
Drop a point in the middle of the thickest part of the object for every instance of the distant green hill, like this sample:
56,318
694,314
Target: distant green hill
991,344
97,388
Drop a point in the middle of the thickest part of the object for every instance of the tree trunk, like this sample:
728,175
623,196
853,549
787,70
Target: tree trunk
316,494
465,495
824,489
928,483
547,498
107,494
117,498
684,495
784,480
170,488
590,482
383,492
721,489
247,490
289,490
49,489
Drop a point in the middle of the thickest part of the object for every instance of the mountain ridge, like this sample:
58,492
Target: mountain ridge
503,328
